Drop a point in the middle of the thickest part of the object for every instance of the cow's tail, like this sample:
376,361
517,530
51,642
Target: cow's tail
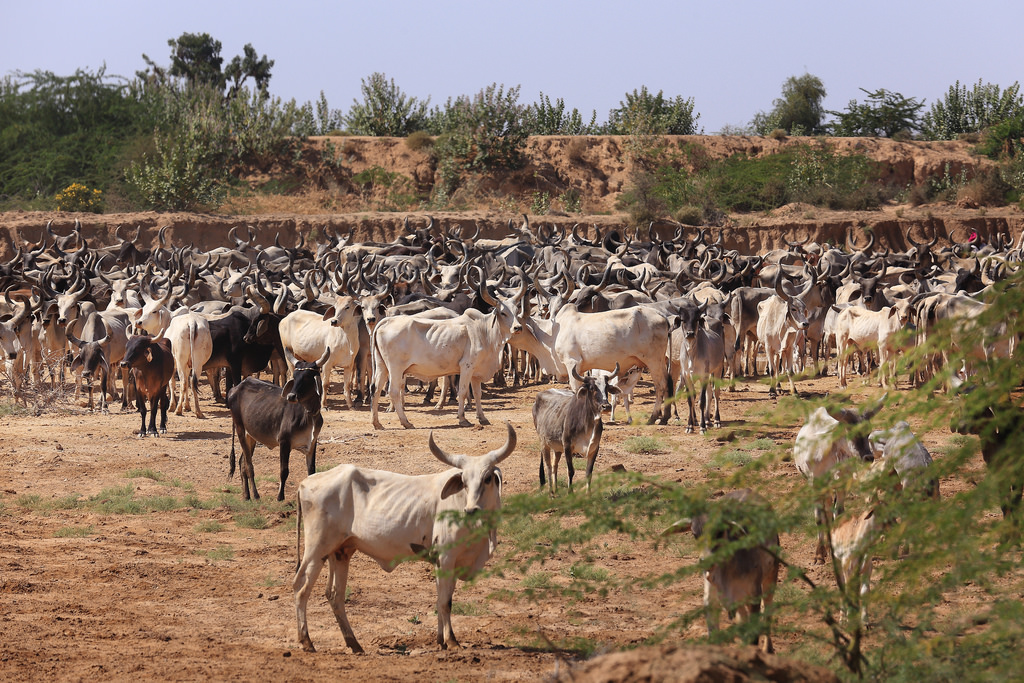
192,379
231,459
541,472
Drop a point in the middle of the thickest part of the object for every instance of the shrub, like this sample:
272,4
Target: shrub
967,111
385,110
545,118
885,113
819,176
645,114
78,197
483,132
418,140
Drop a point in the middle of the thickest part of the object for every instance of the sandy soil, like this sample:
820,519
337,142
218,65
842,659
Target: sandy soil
192,591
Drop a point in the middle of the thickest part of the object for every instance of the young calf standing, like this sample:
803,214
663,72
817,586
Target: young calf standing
277,417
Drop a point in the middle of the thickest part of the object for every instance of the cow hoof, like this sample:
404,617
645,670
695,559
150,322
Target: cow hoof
484,421
465,423
408,425
689,430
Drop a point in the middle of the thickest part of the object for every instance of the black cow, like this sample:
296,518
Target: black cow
570,423
92,356
277,417
151,367
231,351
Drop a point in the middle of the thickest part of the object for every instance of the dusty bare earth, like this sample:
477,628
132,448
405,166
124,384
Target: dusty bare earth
186,588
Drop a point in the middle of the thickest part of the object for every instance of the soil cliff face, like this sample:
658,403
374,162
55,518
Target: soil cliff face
597,168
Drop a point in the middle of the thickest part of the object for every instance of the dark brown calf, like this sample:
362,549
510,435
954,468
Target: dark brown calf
152,366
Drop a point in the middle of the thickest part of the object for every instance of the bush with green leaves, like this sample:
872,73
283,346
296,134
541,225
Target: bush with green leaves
884,114
545,118
971,110
821,177
480,133
643,113
385,110
55,130
799,110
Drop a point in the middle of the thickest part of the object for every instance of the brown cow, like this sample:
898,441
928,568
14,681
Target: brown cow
152,366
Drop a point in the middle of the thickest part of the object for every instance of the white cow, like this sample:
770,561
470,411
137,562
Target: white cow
305,335
820,446
393,517
469,345
191,346
861,328
779,318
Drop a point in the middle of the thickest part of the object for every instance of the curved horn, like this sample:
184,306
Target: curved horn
323,359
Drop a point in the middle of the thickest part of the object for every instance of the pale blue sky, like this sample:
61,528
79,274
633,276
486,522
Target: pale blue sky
731,57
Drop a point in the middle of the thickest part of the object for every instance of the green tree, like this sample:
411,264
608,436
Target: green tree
196,58
885,114
799,110
385,110
249,66
972,110
645,114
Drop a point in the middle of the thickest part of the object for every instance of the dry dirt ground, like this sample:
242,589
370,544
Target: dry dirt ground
189,588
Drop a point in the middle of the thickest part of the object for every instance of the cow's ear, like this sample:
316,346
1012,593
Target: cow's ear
149,355
329,313
453,486
893,311
287,388
612,389
76,363
137,314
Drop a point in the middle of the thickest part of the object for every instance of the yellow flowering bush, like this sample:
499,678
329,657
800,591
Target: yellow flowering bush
78,197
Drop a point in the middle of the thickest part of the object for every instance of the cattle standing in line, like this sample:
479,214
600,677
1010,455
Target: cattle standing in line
743,583
392,517
277,417
151,365
570,423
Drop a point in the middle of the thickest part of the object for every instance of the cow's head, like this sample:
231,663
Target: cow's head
596,387
91,354
507,310
139,352
10,342
858,436
306,385
373,305
344,311
479,476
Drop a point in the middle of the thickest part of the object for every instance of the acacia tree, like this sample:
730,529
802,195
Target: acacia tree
195,57
885,113
799,110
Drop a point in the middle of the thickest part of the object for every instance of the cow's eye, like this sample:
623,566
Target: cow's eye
489,479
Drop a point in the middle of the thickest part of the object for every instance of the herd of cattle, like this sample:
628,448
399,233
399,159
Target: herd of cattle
440,305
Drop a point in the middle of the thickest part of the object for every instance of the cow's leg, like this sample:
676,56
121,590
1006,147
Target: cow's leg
245,466
396,392
464,382
820,552
545,464
567,451
718,417
380,378
712,604
428,397
285,451
339,564
445,591
592,447
479,394
305,580
165,401
140,405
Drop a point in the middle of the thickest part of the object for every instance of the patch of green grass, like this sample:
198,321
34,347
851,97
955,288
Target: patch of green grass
537,581
32,501
762,444
144,473
209,526
729,459
469,609
644,444
69,502
251,520
12,409
74,532
270,581
588,572
219,554
957,443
